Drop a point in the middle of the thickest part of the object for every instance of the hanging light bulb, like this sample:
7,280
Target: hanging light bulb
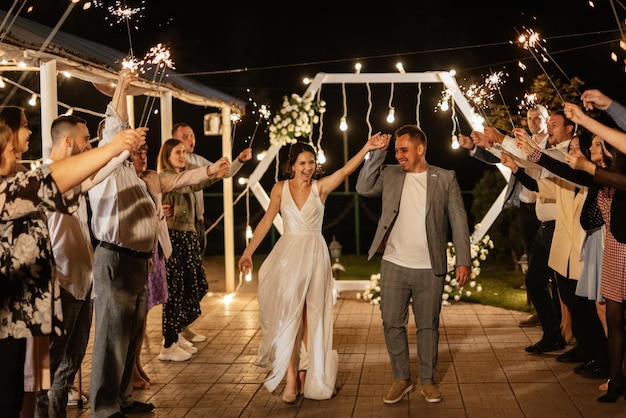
391,116
248,277
455,142
321,157
357,68
343,124
261,155
242,180
248,231
2,84
33,100
444,106
400,68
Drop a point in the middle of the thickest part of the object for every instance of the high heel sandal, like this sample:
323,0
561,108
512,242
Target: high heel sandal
613,393
292,399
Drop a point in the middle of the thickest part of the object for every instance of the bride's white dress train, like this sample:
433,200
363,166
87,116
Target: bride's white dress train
296,271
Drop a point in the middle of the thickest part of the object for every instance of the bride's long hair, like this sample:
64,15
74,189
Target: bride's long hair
295,150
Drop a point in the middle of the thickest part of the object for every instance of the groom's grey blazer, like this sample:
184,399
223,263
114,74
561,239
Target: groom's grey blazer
443,201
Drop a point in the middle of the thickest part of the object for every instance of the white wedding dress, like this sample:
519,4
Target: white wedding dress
298,270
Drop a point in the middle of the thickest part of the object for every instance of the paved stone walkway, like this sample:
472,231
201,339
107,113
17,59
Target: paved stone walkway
483,369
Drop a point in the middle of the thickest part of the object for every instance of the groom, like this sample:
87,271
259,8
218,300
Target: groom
417,201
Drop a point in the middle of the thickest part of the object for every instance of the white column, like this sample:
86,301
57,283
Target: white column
130,105
166,116
229,225
49,108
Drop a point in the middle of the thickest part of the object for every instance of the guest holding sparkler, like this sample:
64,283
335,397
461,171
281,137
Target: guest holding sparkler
124,222
536,220
611,200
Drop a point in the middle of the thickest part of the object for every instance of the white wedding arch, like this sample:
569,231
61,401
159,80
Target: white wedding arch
442,77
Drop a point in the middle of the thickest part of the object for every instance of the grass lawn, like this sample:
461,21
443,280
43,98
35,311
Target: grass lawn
500,283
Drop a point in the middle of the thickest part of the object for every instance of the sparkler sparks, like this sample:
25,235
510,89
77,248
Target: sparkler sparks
159,55
158,59
530,99
133,64
532,41
264,114
120,12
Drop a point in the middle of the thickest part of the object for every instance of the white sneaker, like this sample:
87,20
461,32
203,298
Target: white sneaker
186,345
173,353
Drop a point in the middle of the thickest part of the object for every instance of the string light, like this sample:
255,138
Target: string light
455,139
357,68
417,107
400,68
321,157
33,100
391,116
343,123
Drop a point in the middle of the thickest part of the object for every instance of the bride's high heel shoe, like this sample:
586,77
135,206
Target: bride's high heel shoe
292,399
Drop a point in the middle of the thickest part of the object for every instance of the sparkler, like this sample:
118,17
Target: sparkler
159,57
493,81
264,113
120,13
532,41
530,99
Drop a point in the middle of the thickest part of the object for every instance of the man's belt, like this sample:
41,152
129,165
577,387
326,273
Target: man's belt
126,251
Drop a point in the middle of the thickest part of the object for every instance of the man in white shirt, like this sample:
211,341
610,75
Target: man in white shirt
124,221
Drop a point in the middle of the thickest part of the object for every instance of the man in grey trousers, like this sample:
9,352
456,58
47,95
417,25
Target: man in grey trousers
418,199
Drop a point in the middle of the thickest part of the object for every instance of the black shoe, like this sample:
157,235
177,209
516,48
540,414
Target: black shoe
137,408
570,356
545,346
590,365
596,373
118,415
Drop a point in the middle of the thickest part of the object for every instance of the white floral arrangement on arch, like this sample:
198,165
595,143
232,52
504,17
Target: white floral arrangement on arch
451,289
295,119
